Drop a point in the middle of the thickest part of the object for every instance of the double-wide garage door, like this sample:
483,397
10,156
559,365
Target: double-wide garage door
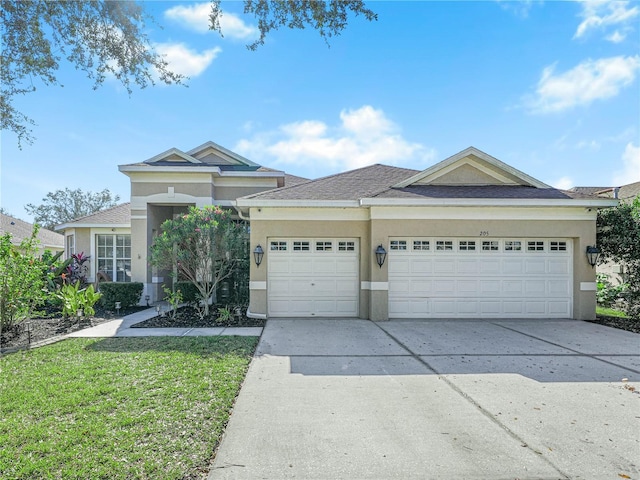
313,277
463,277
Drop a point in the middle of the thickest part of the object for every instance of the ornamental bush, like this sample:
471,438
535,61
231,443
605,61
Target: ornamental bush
619,241
22,283
205,245
127,293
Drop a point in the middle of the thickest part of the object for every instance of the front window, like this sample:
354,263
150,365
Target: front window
114,257
71,245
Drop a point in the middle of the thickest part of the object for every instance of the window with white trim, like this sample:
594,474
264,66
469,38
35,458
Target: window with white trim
346,246
467,245
490,245
421,245
512,246
535,246
398,245
444,245
558,246
324,246
278,246
71,245
300,246
114,256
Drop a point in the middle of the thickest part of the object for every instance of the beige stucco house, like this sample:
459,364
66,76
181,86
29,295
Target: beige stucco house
469,237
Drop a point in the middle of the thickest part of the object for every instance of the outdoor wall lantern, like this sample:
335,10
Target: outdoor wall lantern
592,255
258,253
381,254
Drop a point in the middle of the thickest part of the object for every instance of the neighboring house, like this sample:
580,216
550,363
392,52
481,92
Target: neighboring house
19,230
469,237
106,237
625,193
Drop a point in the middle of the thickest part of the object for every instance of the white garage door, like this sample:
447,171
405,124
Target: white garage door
313,277
491,278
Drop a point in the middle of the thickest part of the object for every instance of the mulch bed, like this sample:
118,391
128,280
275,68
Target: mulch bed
628,324
187,317
55,325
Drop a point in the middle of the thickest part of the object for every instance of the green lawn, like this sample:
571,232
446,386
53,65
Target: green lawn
610,312
118,408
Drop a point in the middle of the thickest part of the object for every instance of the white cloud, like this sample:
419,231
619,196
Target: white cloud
563,183
588,81
616,37
630,171
600,14
185,61
519,8
196,17
364,136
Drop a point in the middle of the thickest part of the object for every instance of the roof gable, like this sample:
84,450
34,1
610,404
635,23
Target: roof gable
211,153
471,167
173,155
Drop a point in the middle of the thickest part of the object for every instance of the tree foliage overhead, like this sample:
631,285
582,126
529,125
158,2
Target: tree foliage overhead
100,38
107,38
619,241
329,18
66,205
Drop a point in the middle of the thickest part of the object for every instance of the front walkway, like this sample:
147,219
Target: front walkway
122,328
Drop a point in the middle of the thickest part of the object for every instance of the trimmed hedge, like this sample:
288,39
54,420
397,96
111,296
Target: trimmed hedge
127,293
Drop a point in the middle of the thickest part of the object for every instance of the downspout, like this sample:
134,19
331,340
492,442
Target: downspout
616,190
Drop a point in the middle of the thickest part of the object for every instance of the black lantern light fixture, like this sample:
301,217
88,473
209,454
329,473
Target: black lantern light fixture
381,255
258,253
592,255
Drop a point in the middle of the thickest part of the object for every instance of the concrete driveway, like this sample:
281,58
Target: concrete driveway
503,399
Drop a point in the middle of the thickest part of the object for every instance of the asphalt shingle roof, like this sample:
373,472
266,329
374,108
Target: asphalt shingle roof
118,215
376,181
353,185
19,230
479,191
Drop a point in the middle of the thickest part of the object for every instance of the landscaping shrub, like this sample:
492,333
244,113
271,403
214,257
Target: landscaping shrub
22,284
189,291
127,293
608,294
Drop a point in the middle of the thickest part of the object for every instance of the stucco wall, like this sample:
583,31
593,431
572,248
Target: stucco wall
577,225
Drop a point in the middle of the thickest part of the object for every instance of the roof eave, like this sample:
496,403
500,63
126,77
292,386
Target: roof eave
489,202
126,169
250,202
65,226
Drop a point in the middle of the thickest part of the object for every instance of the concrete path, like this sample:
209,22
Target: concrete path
354,399
122,328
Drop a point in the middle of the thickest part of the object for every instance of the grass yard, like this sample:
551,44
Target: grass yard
118,408
610,312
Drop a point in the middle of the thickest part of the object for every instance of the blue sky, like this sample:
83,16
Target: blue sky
550,88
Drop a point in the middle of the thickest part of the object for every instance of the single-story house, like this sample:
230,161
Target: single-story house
19,230
470,237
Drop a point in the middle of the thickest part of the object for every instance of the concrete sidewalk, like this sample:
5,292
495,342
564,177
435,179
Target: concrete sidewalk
354,399
123,328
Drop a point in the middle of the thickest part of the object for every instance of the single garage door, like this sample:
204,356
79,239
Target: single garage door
483,277
313,277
